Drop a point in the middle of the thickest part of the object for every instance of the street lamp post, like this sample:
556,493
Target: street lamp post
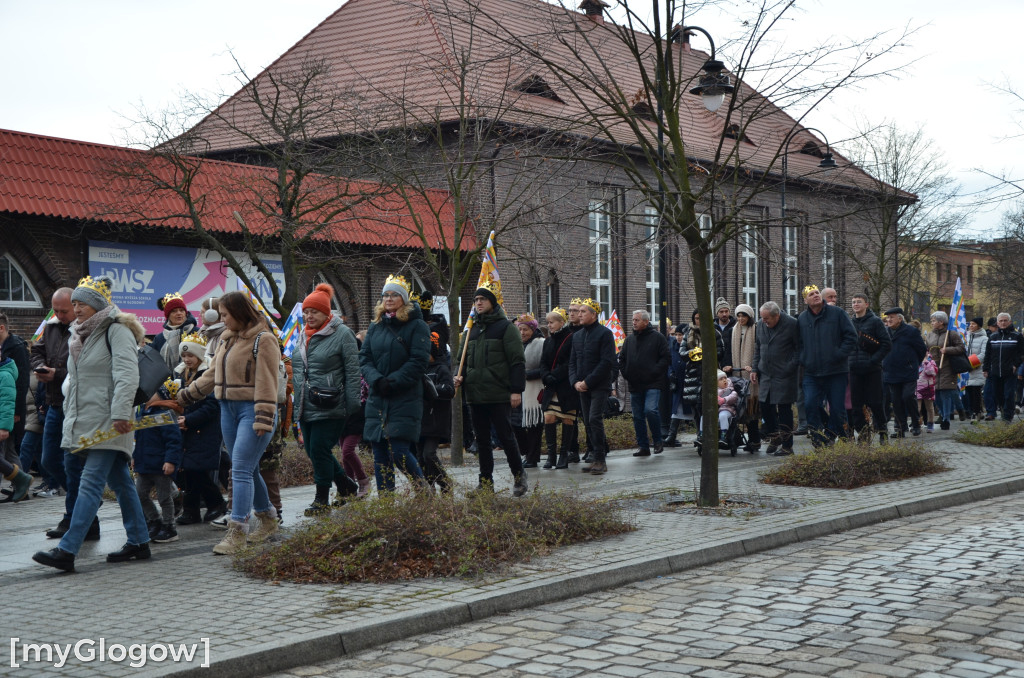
713,86
827,163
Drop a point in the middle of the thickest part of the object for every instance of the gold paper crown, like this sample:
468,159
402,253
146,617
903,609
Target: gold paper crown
526,318
102,286
426,304
592,304
398,280
561,312
414,297
696,354
172,295
809,289
194,338
576,301
494,287
171,386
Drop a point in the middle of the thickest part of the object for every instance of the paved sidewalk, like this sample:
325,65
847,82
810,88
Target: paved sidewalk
255,627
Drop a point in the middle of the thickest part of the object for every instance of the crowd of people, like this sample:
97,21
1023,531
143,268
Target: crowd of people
528,392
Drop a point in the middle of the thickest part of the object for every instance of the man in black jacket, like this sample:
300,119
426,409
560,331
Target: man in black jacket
643,363
590,373
1002,357
873,344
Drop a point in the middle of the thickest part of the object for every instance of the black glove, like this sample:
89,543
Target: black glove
550,380
383,387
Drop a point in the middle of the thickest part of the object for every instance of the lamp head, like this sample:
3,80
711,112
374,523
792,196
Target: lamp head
714,85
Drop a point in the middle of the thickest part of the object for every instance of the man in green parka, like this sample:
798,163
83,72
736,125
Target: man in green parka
495,376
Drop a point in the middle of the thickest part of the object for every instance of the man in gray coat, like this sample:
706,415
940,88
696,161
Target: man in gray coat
774,369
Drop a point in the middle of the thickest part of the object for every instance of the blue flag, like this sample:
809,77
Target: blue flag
958,323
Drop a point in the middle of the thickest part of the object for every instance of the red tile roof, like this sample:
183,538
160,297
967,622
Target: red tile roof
389,51
63,178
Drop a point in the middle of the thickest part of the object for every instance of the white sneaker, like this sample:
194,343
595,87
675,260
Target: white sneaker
49,492
222,522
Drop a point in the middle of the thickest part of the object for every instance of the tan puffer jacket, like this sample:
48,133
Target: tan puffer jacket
234,374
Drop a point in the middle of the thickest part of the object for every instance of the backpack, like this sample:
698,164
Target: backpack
282,373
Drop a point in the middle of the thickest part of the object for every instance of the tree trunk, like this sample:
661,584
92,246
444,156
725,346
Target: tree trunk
709,378
458,445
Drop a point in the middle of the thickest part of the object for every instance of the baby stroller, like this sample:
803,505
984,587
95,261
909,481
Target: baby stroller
734,438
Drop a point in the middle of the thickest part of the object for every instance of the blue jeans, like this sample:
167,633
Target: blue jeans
52,459
32,453
73,467
645,406
248,491
105,467
946,399
988,395
385,459
831,389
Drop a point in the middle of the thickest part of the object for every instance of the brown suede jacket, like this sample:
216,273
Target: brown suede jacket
235,375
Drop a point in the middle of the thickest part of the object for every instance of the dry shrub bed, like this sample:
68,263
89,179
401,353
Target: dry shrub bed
993,434
409,536
847,465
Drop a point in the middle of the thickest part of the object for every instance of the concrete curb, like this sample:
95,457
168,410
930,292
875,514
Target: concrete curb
325,646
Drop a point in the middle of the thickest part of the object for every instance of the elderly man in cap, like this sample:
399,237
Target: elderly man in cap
827,339
774,370
899,370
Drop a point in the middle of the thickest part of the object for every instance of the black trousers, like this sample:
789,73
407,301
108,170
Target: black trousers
594,405
904,404
529,441
778,424
199,485
866,390
498,415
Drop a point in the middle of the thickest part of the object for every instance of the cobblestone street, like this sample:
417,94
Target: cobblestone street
936,595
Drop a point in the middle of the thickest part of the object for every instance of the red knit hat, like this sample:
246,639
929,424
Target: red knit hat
170,302
320,299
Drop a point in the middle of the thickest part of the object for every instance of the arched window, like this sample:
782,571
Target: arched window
15,290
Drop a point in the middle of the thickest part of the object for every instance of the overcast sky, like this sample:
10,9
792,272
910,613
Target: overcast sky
79,69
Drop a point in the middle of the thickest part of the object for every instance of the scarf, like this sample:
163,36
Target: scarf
80,331
533,414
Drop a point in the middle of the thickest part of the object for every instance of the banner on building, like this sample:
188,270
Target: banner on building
144,273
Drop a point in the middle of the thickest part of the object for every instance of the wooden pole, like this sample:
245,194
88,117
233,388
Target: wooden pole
942,356
465,346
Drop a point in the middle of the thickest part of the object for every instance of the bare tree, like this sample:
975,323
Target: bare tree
1002,280
291,199
630,85
915,208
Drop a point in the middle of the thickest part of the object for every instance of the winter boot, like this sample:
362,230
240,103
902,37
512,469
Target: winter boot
551,438
320,505
266,525
672,440
233,541
20,483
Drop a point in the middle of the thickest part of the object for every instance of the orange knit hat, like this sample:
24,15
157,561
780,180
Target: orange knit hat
320,299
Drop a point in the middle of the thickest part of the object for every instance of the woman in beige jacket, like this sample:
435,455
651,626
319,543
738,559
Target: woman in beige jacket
243,377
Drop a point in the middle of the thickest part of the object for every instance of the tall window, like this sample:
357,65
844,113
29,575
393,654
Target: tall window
705,229
601,255
748,256
828,260
652,250
15,289
529,299
938,272
789,244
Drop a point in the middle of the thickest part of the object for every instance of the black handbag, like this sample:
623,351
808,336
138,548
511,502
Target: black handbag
959,363
324,397
429,389
153,371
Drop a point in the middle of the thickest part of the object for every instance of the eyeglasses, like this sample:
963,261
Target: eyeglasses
390,295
